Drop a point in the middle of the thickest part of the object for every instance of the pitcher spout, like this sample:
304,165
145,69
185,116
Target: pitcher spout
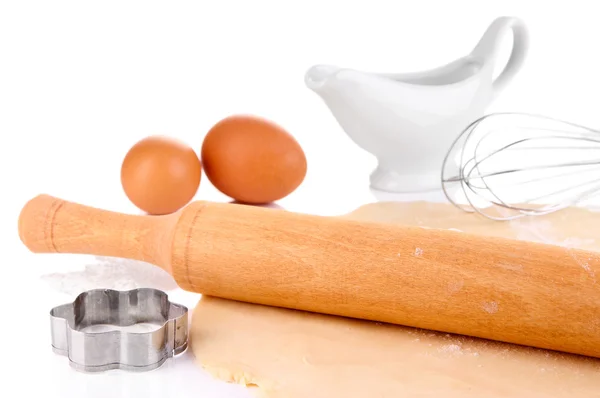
317,76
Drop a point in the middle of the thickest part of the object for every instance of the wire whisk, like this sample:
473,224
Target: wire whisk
510,165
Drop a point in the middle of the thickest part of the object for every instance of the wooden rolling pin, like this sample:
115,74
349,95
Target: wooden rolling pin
513,291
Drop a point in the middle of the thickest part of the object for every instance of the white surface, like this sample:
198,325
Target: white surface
80,82
409,120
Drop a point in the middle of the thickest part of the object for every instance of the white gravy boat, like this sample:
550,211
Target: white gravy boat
409,121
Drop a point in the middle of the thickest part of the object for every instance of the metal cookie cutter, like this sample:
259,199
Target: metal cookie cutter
107,347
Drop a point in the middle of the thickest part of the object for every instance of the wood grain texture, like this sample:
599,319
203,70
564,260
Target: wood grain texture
51,225
513,291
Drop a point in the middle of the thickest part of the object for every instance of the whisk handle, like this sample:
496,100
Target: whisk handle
489,44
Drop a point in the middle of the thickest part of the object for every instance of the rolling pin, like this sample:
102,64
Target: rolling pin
513,291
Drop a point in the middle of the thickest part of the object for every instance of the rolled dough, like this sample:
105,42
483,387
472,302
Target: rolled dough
293,354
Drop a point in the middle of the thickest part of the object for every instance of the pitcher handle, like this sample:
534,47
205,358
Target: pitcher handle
488,46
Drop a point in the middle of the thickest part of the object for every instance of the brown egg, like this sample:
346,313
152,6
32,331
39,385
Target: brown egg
252,160
160,175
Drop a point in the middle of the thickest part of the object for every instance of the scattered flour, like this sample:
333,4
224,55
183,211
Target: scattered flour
418,252
490,307
576,242
111,273
451,348
586,266
541,232
583,263
455,287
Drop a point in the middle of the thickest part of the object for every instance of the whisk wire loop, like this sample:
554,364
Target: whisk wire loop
510,165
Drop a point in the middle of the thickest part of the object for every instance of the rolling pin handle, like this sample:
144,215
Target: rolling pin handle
51,225
36,222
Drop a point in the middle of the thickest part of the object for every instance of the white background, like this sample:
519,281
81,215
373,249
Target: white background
81,81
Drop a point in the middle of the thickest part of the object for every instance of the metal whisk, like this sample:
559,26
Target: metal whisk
510,165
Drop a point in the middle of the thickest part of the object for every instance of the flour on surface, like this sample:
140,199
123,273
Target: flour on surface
541,232
576,242
583,263
451,348
111,273
418,252
455,287
491,307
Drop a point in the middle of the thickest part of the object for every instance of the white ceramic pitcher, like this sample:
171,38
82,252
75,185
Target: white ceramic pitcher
409,121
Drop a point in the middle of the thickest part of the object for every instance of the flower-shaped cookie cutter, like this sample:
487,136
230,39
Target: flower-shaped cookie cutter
90,330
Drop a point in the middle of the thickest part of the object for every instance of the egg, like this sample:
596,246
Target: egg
252,160
160,175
